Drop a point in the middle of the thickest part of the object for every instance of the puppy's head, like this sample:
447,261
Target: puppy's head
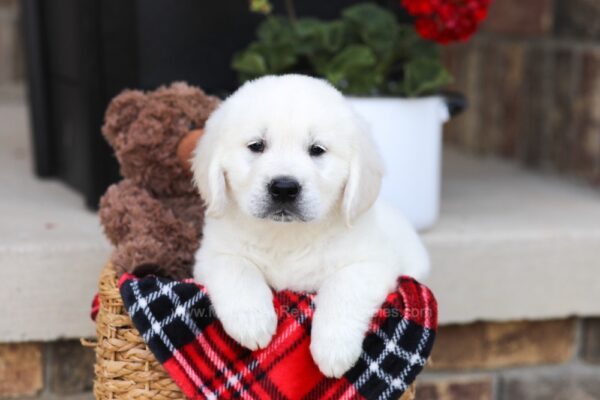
287,148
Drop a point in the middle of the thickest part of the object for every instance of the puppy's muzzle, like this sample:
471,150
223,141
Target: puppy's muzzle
284,189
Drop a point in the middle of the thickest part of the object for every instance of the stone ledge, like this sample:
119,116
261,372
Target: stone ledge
513,244
510,245
51,247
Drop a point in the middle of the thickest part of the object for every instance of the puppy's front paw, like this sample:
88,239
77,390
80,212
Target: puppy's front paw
251,323
335,348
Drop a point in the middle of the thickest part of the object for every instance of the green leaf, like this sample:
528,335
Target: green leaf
352,59
309,27
411,45
309,35
365,84
258,60
352,70
250,62
424,76
277,43
274,51
275,30
315,35
335,36
261,6
280,58
376,26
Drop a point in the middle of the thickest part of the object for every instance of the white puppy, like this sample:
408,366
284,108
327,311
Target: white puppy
290,175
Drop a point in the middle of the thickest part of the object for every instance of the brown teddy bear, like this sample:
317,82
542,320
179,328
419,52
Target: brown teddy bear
154,216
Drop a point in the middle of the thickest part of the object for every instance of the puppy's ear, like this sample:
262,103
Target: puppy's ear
209,175
364,178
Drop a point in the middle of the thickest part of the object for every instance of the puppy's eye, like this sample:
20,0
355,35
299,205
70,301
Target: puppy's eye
316,150
256,146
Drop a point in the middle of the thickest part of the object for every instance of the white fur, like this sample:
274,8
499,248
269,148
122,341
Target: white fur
342,245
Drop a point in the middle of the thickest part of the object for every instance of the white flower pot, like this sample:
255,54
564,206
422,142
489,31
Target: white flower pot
408,133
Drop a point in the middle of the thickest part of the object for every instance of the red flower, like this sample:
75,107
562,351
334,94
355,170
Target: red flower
447,20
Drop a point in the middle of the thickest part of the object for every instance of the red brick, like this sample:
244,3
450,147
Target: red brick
561,384
587,134
463,62
522,18
497,345
489,106
564,111
21,371
512,101
534,106
70,367
455,60
502,78
578,19
591,340
459,388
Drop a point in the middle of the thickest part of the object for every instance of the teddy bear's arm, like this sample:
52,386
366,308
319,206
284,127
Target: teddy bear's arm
115,209
146,233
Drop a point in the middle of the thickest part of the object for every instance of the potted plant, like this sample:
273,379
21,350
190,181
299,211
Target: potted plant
392,74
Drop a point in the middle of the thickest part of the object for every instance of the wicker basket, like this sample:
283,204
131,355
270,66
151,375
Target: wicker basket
125,367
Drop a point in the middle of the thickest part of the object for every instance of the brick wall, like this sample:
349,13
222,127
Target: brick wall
11,57
56,370
543,360
532,76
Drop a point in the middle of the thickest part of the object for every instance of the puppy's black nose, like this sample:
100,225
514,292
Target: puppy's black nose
284,189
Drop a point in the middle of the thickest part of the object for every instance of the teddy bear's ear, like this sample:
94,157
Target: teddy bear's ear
121,113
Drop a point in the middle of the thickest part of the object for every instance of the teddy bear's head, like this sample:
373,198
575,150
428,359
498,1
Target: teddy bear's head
145,130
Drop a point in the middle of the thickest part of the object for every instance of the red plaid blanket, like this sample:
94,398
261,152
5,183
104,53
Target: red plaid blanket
178,324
